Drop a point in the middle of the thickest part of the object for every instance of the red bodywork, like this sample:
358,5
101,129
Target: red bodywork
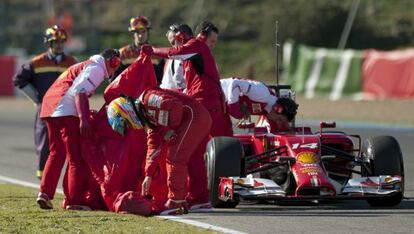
270,162
302,149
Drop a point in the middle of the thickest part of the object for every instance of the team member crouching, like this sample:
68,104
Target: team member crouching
176,123
65,108
117,162
245,97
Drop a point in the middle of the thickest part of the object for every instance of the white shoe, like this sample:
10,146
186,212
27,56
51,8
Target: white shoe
205,207
175,208
44,201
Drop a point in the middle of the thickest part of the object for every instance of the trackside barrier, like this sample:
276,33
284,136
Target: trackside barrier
325,72
7,68
368,74
388,74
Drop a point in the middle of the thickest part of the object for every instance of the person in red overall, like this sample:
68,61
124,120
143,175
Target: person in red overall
201,76
117,161
65,109
202,83
177,124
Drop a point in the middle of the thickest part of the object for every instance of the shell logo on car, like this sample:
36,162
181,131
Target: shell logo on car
307,157
240,181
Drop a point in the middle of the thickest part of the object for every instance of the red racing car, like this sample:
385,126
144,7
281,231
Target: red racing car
303,165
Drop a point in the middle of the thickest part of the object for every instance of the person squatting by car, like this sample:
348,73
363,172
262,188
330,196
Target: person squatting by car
174,121
34,79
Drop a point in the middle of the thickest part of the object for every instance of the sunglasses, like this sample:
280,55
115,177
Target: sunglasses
139,26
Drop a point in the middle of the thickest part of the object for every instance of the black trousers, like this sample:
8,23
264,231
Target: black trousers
41,139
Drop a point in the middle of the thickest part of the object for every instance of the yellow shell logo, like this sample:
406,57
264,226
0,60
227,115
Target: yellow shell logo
307,157
388,179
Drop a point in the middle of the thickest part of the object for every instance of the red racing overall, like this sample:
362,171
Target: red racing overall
64,142
182,123
203,84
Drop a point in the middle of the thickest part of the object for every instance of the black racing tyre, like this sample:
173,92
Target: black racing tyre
384,154
223,158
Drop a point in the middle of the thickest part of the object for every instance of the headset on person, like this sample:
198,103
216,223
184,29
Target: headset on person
115,60
183,32
174,28
207,29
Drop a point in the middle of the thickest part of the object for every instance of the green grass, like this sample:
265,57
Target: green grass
19,213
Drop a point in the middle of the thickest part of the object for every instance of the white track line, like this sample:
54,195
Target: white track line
173,218
201,224
23,183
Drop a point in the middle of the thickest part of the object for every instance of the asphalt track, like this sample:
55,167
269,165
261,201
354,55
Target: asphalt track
18,161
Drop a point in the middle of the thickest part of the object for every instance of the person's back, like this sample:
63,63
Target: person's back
248,97
202,77
256,91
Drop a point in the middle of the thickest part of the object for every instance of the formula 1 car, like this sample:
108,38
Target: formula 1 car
303,165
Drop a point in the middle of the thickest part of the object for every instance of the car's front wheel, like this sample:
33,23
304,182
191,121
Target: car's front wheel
385,158
223,159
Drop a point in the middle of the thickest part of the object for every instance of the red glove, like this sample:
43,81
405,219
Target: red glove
147,49
82,106
161,52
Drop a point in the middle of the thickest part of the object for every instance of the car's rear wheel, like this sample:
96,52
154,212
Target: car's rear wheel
223,159
385,158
